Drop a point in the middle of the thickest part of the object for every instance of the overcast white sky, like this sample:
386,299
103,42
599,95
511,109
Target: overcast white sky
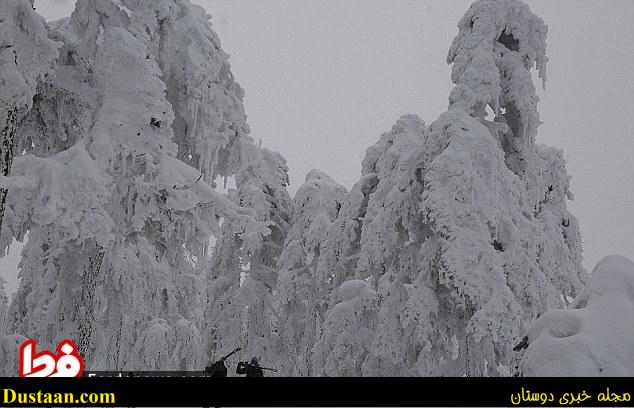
325,78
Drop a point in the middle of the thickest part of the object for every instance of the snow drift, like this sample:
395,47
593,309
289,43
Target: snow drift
595,336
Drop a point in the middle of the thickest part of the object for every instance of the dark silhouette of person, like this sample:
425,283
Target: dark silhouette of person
217,369
251,369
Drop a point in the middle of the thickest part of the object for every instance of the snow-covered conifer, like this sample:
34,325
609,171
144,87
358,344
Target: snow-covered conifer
498,42
243,271
26,57
461,227
115,218
348,331
301,307
455,237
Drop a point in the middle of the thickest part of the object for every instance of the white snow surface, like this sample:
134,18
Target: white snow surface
595,335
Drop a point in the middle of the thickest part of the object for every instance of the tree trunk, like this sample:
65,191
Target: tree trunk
7,146
86,317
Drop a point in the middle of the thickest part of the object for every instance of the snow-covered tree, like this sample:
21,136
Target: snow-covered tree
348,331
391,240
116,215
262,187
26,57
498,42
455,237
461,227
341,246
243,271
210,123
315,206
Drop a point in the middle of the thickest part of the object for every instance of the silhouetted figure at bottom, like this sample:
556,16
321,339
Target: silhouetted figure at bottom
251,369
219,369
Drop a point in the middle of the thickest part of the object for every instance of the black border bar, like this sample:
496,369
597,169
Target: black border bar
197,391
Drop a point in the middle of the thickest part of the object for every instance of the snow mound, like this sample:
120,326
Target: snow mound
595,337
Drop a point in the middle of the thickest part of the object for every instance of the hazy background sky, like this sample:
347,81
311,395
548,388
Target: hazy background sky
325,78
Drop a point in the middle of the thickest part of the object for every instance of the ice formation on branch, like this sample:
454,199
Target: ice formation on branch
593,337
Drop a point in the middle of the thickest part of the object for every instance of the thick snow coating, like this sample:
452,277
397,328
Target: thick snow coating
498,42
455,238
114,188
26,53
593,337
301,304
461,226
26,57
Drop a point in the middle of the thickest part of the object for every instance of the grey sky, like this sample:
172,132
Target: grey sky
325,78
